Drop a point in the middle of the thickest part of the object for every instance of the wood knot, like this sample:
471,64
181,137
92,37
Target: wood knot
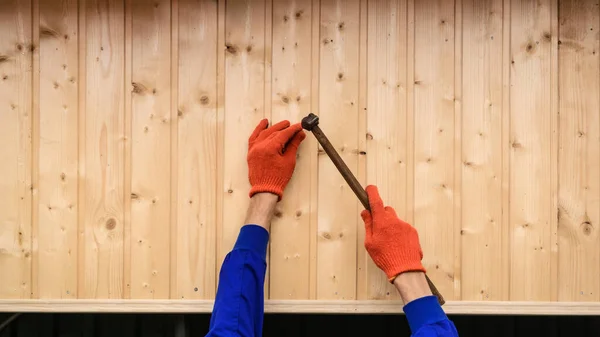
326,236
138,88
285,99
547,36
46,32
278,213
63,176
286,18
298,214
587,228
111,224
204,100
299,14
340,76
231,49
341,25
3,58
249,49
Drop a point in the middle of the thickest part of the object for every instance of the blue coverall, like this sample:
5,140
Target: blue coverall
239,304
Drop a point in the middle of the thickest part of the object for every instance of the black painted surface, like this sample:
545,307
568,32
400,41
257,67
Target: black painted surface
164,325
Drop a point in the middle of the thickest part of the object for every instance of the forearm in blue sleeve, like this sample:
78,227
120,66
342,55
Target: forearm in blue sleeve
239,304
427,319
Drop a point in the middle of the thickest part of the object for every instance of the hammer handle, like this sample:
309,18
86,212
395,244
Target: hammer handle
357,188
342,167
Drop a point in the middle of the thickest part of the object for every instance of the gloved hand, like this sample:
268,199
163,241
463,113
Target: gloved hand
272,156
392,243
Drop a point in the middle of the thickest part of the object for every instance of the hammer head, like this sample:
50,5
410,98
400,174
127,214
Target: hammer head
310,121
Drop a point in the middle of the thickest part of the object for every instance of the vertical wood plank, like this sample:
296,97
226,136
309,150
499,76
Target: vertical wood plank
15,156
458,143
291,100
579,152
434,186
362,256
338,96
531,158
151,136
127,162
244,107
35,142
174,183
313,144
104,144
220,128
386,119
196,177
81,149
506,148
57,209
481,164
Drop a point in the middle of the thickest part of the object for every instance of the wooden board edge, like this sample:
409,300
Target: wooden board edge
299,307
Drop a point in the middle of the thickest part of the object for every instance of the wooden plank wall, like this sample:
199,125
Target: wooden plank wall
124,127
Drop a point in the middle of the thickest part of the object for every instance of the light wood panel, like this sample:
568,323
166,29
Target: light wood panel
150,148
16,65
434,131
482,151
291,99
532,217
196,151
104,142
57,227
338,114
125,127
579,152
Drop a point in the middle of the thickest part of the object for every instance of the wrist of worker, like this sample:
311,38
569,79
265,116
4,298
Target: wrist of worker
261,209
412,285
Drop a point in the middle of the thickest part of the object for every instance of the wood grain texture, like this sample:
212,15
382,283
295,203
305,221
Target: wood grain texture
291,100
481,166
196,178
16,156
58,130
434,132
125,126
150,149
338,96
579,152
104,144
530,156
386,120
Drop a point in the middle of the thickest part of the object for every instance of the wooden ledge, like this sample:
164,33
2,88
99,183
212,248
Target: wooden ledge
297,306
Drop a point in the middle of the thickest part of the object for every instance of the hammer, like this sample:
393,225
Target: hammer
311,123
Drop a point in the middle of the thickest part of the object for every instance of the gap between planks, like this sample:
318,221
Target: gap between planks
299,306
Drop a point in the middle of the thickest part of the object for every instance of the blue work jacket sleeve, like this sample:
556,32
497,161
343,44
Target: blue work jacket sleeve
427,319
239,304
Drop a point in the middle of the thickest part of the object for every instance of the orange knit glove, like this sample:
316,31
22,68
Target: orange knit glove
272,156
392,243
